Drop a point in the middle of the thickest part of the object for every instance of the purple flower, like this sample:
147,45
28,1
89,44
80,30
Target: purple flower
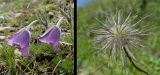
21,40
52,36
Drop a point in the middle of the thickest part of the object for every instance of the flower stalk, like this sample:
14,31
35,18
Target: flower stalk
130,59
59,22
33,22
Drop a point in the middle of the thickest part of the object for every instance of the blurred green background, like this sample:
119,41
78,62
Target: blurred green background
147,59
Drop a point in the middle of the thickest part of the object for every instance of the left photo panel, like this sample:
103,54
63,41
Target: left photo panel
36,37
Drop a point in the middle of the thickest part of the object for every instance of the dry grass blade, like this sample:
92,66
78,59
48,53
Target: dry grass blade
56,67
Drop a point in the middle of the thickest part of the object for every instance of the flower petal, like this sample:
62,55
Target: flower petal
21,40
25,52
56,46
51,36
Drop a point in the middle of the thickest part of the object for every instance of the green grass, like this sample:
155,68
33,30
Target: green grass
147,59
44,58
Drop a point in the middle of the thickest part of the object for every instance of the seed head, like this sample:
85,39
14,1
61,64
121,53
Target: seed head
117,33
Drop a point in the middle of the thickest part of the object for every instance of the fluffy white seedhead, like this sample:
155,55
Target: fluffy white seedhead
118,32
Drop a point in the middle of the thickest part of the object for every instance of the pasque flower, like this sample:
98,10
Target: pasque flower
52,36
119,35
21,40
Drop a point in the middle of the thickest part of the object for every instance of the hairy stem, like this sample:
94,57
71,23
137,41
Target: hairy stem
59,22
130,59
33,22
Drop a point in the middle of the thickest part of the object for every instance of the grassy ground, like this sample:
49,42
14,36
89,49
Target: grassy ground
18,14
147,59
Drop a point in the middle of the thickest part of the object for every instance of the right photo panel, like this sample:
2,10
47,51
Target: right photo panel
118,37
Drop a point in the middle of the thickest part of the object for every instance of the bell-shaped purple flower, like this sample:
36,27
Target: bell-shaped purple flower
52,36
21,40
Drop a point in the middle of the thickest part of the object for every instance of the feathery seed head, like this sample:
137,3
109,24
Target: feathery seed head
120,36
118,33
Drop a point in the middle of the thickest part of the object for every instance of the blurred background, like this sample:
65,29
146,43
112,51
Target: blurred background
81,3
147,59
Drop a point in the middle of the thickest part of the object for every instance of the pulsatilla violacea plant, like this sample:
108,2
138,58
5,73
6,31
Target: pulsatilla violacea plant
120,35
21,40
52,36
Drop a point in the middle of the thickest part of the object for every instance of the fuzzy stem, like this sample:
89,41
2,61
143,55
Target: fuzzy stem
59,22
33,22
130,59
